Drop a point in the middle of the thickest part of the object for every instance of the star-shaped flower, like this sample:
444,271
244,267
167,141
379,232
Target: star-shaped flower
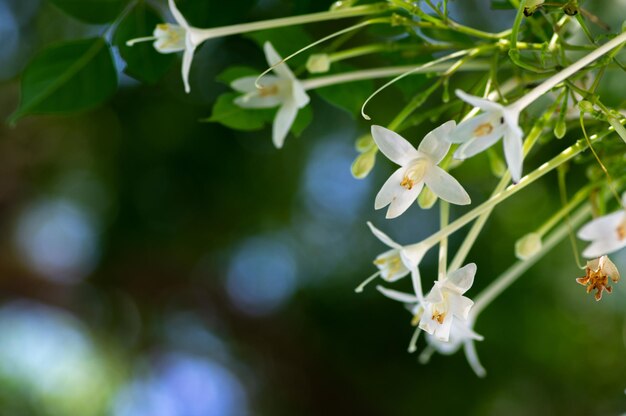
169,38
282,89
445,302
418,167
481,132
395,263
607,233
597,276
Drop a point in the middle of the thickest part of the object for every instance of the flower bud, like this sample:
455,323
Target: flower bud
586,106
528,246
427,198
318,63
364,143
363,164
560,129
532,6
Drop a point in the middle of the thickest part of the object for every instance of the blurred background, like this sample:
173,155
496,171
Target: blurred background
151,264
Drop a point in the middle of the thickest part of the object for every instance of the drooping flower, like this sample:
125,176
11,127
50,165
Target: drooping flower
169,38
418,167
481,132
607,233
443,314
445,302
283,90
395,263
598,272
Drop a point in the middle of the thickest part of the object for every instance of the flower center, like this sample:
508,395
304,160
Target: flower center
438,316
390,265
170,36
597,280
483,130
414,174
268,90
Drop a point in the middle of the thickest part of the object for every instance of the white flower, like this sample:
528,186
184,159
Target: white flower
282,89
417,167
177,37
607,233
481,132
443,314
446,302
395,263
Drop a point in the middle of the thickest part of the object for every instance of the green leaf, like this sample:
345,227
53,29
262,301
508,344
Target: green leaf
92,11
286,40
206,13
236,72
226,112
143,62
67,77
302,121
348,96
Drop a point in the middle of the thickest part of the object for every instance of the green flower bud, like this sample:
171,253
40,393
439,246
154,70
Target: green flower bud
363,164
427,198
560,129
364,143
586,106
318,63
528,246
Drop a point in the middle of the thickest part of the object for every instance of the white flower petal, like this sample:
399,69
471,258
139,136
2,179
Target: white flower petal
254,100
483,104
413,254
403,200
445,186
442,331
395,147
186,66
247,84
472,359
513,152
478,144
462,279
390,189
178,16
395,295
273,57
436,144
601,247
383,237
282,122
602,227
461,307
299,94
416,279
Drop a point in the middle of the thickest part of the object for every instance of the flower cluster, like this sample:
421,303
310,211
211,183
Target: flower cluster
444,313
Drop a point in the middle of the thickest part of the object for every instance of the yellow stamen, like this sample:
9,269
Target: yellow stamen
483,130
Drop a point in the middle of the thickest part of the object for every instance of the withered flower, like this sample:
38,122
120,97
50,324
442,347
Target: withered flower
597,277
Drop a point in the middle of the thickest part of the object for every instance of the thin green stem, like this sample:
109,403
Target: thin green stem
507,278
517,23
356,11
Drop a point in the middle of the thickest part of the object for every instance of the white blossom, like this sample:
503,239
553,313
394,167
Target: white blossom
282,90
481,132
418,167
607,233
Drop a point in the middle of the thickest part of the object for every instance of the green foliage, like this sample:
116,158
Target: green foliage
226,112
286,40
67,77
143,62
213,13
92,11
349,96
236,72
